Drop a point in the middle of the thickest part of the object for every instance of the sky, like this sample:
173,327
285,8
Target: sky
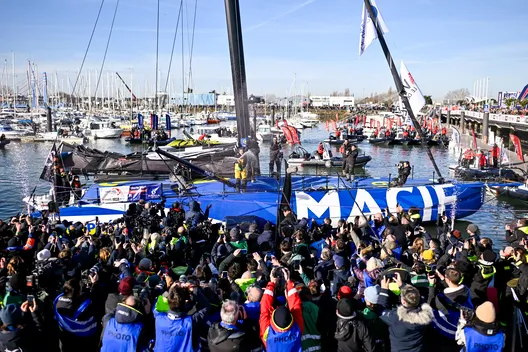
290,46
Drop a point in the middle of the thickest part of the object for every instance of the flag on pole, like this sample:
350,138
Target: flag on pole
140,121
504,155
518,149
414,94
455,136
367,33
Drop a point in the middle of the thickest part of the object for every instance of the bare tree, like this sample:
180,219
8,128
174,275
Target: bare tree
347,92
457,94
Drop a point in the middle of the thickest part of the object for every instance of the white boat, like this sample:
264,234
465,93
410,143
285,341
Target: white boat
11,133
104,130
264,133
212,134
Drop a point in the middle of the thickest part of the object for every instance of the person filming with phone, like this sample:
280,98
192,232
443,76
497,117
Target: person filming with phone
21,326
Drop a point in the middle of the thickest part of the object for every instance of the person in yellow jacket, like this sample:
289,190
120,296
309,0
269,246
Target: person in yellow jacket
240,173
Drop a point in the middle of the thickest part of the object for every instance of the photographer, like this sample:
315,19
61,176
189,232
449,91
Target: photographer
480,331
194,215
275,156
75,315
228,334
404,170
446,306
180,317
281,328
124,327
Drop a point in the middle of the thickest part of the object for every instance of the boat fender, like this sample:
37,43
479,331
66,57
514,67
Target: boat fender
328,163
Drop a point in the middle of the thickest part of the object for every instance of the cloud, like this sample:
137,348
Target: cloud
293,9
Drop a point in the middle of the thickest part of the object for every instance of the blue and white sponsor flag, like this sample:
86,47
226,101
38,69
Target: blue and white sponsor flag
368,32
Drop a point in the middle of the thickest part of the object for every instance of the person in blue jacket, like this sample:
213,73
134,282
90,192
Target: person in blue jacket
123,329
480,332
177,329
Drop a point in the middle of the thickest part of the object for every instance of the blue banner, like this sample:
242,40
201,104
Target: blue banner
145,192
140,120
154,122
168,125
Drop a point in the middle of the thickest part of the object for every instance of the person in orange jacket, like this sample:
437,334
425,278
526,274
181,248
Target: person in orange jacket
281,328
495,152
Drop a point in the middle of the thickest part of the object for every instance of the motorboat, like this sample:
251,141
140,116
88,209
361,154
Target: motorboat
264,133
302,158
11,133
104,129
218,134
470,173
514,191
375,140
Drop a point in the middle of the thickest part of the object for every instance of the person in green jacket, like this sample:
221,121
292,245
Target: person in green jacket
375,325
311,338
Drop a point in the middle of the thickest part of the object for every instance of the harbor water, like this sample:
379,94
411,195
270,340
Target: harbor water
22,163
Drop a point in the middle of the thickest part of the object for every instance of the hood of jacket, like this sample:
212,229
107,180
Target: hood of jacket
345,328
460,295
422,315
127,315
219,334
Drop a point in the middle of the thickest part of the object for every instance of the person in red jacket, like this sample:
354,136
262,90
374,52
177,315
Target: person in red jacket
281,328
495,152
481,160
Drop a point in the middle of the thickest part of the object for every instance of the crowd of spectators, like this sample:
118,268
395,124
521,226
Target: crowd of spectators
173,281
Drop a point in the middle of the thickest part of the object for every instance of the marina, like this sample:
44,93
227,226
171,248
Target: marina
163,194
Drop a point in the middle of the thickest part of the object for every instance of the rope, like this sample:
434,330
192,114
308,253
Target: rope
189,82
157,60
88,48
173,44
106,49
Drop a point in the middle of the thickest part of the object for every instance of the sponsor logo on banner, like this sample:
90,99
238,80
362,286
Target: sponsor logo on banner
344,205
114,194
146,192
413,92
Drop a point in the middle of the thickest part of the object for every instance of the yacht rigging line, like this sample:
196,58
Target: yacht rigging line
400,88
174,45
106,49
189,82
157,54
87,48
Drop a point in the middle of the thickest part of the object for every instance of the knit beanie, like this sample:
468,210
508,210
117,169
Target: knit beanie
234,234
486,313
126,285
372,294
346,308
145,264
282,317
489,255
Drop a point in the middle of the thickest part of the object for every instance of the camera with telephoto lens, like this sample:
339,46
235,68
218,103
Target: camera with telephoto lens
467,313
430,268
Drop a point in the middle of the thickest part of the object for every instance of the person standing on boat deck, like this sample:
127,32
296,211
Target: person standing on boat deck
343,151
495,152
240,172
275,156
351,154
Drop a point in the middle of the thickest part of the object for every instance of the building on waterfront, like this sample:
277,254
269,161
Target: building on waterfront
195,99
320,101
